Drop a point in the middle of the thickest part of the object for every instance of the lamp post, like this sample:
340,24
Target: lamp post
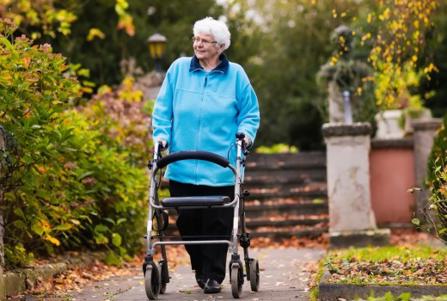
157,47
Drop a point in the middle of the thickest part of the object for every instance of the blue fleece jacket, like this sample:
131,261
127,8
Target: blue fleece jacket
200,110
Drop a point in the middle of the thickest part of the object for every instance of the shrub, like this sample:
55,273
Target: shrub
123,116
437,181
72,186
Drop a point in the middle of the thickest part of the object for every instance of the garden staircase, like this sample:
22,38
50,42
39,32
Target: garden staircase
288,195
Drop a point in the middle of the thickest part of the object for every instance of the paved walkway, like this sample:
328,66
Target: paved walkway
283,277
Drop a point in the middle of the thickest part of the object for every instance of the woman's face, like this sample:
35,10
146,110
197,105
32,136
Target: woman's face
205,47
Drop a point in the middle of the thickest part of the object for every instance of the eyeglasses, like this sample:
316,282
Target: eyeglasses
203,41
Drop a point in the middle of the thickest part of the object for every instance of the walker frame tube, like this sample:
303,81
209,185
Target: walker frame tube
154,204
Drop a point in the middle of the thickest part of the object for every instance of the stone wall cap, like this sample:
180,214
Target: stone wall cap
335,290
392,143
427,124
17,281
342,129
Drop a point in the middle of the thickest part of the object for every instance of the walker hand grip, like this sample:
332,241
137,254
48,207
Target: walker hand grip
240,136
192,155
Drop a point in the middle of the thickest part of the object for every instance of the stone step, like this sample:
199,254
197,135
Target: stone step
298,161
281,222
310,232
298,208
273,232
279,204
280,177
273,194
286,222
298,187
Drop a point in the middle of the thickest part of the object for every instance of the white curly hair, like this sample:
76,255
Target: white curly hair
216,28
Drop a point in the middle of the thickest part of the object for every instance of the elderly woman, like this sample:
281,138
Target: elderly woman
203,102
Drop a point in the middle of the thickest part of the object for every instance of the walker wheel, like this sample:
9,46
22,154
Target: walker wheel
236,280
152,281
254,274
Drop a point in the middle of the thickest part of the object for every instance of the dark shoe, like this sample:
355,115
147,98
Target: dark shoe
212,287
200,280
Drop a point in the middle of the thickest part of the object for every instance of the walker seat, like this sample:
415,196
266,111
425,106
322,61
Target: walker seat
193,201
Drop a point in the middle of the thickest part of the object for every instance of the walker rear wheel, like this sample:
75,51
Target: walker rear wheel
236,275
254,274
152,281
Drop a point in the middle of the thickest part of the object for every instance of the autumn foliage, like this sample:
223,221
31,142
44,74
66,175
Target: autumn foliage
397,49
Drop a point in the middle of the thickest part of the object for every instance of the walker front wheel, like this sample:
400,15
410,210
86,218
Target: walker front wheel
254,274
152,281
236,275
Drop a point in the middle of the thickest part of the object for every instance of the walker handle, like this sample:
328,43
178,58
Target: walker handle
192,155
240,136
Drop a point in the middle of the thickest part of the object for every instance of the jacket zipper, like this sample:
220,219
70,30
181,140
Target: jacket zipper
200,122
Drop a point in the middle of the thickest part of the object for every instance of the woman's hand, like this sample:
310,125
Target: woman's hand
247,142
162,143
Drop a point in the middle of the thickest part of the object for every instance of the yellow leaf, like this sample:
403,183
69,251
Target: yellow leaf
52,239
45,225
126,23
95,33
75,222
104,89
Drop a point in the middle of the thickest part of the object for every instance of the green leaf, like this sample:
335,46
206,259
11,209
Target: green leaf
120,221
101,228
100,239
108,219
112,258
84,72
88,83
86,174
19,224
63,227
38,229
7,43
19,213
116,239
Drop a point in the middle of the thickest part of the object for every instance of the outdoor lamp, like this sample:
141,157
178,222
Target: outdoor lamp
157,47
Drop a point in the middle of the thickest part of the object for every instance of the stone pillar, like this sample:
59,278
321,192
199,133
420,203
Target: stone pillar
2,282
351,219
423,135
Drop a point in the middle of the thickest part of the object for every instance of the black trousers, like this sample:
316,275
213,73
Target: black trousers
208,261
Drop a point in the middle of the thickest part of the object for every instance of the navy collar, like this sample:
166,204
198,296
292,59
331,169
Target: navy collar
222,67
